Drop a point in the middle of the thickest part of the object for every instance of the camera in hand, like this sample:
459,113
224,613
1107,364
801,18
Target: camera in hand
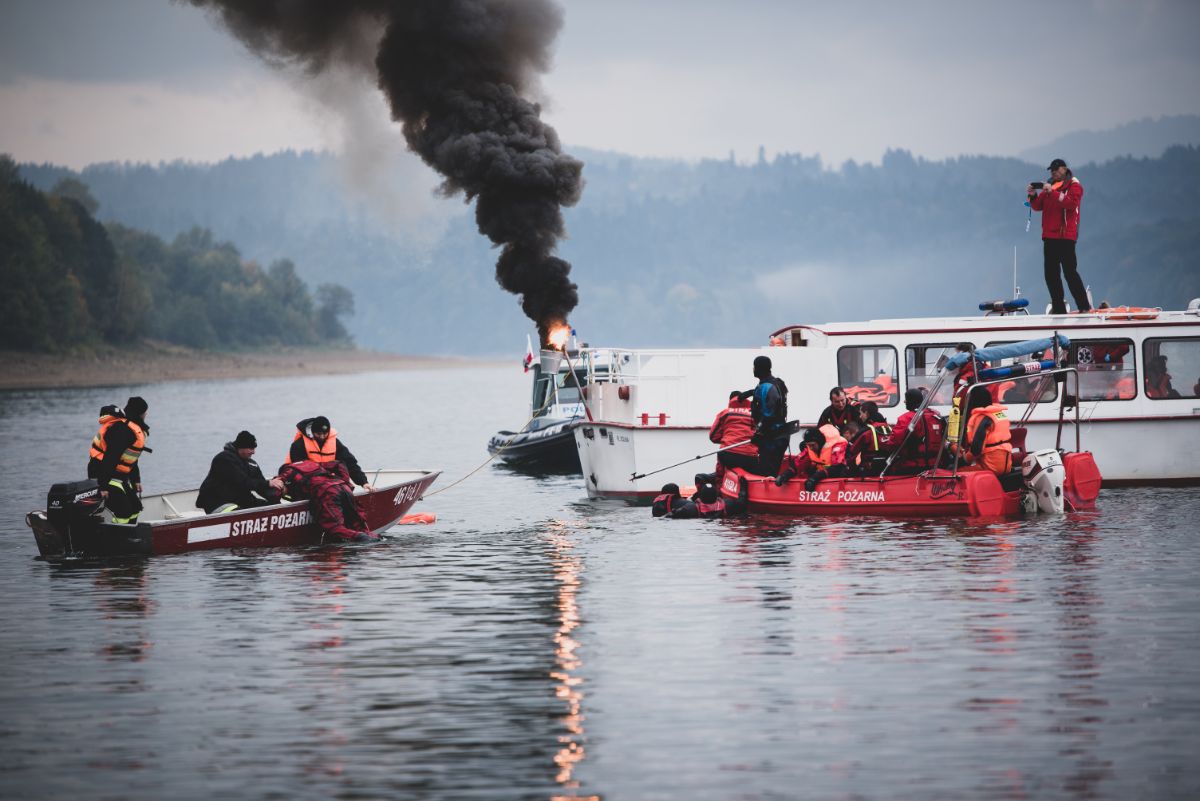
1037,184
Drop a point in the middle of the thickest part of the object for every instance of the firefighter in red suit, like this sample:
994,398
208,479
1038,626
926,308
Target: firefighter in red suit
733,425
1059,201
924,444
330,495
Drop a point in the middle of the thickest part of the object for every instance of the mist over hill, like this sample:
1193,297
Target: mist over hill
673,253
1145,137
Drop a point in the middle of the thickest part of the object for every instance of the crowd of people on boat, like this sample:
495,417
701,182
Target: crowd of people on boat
319,468
849,440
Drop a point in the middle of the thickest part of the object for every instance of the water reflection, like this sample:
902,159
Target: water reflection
568,568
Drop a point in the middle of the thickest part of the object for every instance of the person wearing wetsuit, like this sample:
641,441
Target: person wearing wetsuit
768,408
670,503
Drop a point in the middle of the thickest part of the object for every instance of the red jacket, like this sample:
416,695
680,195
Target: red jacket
1060,210
734,424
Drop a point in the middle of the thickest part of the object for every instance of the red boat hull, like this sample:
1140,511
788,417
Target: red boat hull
971,493
262,527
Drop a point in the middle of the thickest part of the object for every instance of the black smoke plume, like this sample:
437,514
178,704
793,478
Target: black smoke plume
457,75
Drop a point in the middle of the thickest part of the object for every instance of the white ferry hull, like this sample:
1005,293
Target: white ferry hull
652,408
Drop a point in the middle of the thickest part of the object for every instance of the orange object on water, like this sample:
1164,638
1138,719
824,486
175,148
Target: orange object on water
419,517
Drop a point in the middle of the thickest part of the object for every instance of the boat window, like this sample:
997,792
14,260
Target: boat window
1106,369
868,373
568,389
541,386
922,363
1018,391
1172,368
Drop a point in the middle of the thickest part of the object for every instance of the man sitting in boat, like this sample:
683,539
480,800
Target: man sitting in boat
733,428
316,441
330,495
920,448
839,411
823,455
867,437
988,442
234,478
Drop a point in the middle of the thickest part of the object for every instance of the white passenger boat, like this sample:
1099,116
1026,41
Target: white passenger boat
652,408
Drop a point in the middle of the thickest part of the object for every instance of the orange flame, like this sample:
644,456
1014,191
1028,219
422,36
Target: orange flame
558,336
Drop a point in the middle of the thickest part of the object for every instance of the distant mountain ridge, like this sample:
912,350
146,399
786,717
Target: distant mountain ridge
672,253
1146,137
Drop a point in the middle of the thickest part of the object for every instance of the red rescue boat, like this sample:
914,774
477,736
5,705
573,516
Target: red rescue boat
74,524
967,493
1050,480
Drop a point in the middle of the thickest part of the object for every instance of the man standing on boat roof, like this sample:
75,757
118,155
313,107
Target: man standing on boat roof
317,441
1059,202
234,477
768,409
113,458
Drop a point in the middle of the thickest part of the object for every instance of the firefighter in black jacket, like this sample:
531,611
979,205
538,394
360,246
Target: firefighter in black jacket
234,477
113,458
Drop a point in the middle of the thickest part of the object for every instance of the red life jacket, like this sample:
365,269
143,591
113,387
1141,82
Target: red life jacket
714,509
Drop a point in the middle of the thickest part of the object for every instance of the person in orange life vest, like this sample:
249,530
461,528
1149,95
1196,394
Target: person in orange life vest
316,441
710,504
734,424
1059,202
867,436
988,441
839,411
113,458
924,443
822,455
1158,380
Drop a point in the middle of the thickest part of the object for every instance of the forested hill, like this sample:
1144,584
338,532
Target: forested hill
70,281
672,253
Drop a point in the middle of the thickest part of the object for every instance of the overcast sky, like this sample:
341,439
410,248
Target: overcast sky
148,80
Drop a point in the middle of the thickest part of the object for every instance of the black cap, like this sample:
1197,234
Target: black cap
913,398
245,440
319,425
1054,165
135,407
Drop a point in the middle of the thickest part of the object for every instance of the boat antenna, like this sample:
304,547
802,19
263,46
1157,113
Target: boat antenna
1016,287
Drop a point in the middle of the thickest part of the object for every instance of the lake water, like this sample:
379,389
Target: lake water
533,644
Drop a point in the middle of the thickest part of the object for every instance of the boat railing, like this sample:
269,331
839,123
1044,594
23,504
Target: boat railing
1043,378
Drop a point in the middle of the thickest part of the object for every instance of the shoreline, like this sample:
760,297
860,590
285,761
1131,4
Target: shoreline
156,363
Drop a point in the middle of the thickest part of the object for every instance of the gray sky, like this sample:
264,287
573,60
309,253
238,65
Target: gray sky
147,80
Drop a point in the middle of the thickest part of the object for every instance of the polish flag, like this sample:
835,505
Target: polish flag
529,356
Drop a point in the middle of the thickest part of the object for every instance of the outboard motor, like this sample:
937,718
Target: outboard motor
1044,474
72,517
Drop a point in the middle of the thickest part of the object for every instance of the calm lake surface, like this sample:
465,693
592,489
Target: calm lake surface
533,644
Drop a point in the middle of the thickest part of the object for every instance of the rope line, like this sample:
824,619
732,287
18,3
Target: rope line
488,460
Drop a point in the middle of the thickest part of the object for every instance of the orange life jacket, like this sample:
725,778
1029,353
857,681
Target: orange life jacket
832,439
998,439
130,456
314,451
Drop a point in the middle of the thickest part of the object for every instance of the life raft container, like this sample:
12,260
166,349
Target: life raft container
1128,312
